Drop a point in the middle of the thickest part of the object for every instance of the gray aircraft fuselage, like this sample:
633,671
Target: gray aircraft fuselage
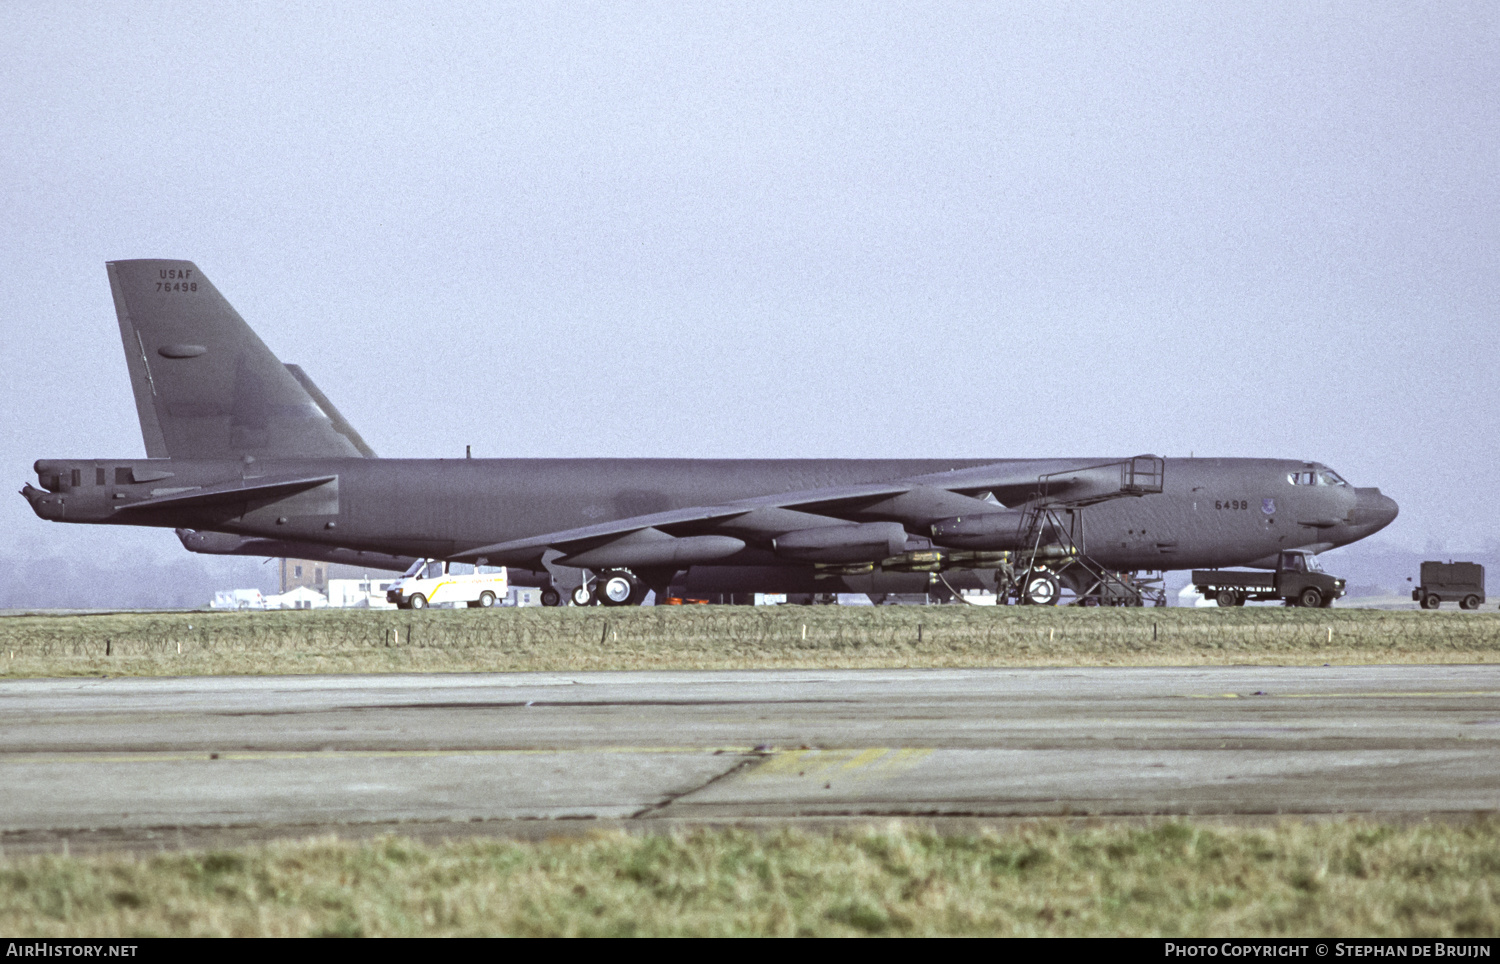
1211,512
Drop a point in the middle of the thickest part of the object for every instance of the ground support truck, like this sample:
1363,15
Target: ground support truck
1461,582
1298,580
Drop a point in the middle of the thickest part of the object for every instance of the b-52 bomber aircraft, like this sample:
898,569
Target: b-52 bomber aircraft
246,456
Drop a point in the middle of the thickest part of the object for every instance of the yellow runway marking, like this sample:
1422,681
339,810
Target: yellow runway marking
903,760
867,757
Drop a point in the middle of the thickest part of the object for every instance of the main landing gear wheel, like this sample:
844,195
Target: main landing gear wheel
1226,598
1469,602
551,597
582,596
1430,601
417,601
621,588
1310,598
1042,589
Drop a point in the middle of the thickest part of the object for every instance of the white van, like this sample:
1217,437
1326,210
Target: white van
432,582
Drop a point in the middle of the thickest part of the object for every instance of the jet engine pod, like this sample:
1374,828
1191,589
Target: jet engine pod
212,543
865,542
992,530
665,551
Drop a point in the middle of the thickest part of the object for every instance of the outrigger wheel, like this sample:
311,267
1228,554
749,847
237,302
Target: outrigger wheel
582,596
1042,589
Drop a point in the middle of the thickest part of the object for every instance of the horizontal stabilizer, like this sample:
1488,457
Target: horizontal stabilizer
233,493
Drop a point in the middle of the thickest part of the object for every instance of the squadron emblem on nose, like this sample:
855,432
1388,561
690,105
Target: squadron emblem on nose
1268,506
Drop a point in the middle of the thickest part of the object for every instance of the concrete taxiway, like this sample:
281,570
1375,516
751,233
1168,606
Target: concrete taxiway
130,754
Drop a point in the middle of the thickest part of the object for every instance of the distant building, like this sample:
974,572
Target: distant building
297,573
361,593
316,575
238,599
299,598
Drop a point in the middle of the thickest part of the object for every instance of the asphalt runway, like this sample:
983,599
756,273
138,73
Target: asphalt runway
133,758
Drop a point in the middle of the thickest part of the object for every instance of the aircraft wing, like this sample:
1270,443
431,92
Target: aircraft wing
705,533
533,546
1076,482
680,523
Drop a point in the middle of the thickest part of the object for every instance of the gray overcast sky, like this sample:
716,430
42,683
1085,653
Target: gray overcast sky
783,230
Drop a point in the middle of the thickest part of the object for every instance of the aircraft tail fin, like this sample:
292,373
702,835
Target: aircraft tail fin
205,385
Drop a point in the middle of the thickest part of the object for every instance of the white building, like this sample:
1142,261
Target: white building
299,598
362,593
238,599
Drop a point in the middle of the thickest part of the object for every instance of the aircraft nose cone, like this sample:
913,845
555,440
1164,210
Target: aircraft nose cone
1373,511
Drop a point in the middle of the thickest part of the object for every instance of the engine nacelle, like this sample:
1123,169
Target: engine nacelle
994,531
673,553
865,542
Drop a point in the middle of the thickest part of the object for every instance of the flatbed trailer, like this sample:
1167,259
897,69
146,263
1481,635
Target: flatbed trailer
1298,581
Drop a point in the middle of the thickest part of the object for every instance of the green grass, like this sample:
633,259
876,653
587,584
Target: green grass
1173,879
723,637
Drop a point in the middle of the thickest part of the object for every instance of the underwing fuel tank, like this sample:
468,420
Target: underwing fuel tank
230,544
993,531
865,542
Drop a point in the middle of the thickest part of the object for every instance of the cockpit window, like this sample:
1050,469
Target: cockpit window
1315,477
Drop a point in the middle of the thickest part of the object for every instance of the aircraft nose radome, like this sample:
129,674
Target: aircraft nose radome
1374,510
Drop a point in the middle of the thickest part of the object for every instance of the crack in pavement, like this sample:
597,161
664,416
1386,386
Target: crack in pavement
655,809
